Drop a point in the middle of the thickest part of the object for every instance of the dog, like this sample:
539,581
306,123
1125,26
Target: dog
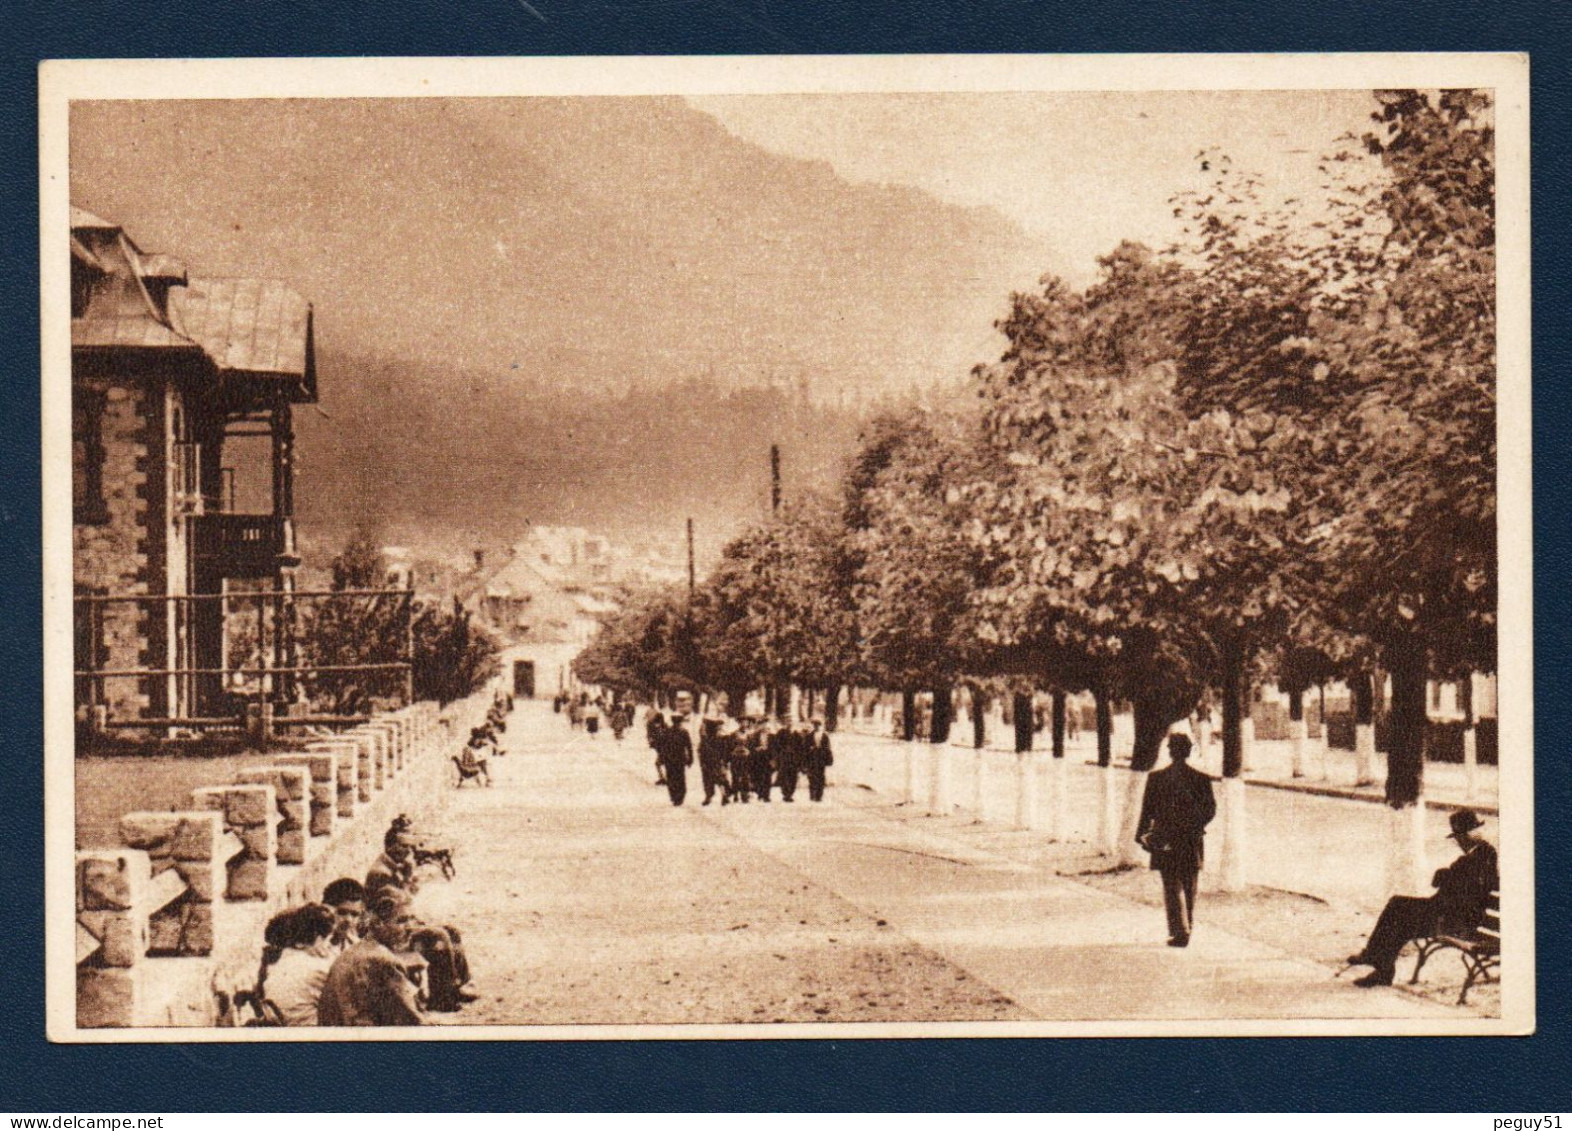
442,858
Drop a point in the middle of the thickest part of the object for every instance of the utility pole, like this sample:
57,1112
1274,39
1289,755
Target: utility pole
775,478
692,582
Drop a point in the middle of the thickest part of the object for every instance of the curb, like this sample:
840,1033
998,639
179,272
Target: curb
1373,799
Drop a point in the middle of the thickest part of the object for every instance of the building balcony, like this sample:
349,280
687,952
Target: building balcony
249,546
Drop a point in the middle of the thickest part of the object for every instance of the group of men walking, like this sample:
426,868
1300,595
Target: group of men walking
740,760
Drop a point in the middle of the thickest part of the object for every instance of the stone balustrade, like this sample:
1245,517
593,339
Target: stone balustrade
169,924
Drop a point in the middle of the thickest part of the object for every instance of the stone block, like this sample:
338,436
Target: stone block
182,929
320,764
249,877
105,998
147,830
259,841
365,782
197,837
198,875
292,846
242,805
112,880
324,805
165,931
288,782
122,936
199,929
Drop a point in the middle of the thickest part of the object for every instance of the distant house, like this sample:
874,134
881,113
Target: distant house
167,373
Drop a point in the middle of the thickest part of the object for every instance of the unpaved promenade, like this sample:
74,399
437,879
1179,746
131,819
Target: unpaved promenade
586,898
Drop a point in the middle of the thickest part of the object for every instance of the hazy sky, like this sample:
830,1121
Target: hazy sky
1083,171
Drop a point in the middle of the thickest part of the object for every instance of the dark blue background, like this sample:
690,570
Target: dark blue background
1473,1075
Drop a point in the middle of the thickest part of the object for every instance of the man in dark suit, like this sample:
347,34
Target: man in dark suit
1177,807
788,750
763,745
1462,895
674,748
817,758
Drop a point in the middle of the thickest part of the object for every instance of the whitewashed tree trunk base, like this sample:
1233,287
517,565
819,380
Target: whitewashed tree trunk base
938,780
1407,873
979,779
1246,744
1297,734
909,786
1227,859
1364,754
1470,764
1058,806
1130,853
1025,791
1107,811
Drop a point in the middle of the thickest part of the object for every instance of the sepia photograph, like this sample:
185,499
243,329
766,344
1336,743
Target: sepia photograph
793,547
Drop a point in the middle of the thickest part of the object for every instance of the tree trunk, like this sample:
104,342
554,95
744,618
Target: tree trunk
909,715
832,707
979,702
1021,712
736,701
1151,724
943,714
1104,726
1232,695
1296,731
1059,698
1405,759
1362,688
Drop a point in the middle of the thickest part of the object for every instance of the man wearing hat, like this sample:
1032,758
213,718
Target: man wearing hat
817,757
1462,895
1175,810
712,754
674,748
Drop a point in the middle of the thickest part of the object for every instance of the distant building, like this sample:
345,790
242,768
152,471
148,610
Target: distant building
166,370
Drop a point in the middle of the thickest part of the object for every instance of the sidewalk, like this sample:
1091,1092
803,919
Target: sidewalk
1315,863
1327,771
586,898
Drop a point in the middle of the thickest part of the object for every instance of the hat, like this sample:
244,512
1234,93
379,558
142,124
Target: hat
1464,821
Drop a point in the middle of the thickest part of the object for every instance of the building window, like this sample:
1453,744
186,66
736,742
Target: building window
87,457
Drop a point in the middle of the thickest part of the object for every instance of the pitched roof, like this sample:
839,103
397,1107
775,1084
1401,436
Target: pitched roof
119,311
244,327
254,326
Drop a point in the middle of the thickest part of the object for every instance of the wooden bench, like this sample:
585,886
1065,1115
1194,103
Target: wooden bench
1480,949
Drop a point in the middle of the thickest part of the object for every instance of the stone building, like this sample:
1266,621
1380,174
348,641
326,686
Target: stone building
168,372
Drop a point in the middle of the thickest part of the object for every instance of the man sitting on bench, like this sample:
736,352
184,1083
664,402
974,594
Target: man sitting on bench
1458,907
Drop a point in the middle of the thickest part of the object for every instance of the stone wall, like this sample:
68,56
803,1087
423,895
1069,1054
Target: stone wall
169,926
112,555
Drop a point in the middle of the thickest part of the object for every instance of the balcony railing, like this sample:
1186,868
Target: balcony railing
245,545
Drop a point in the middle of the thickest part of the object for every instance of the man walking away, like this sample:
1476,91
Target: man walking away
1175,811
818,759
1462,896
763,744
739,761
654,724
712,758
676,755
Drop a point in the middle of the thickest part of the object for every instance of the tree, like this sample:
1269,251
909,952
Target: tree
915,567
1410,344
350,629
453,656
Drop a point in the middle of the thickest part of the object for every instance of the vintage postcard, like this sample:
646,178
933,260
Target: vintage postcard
787,547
